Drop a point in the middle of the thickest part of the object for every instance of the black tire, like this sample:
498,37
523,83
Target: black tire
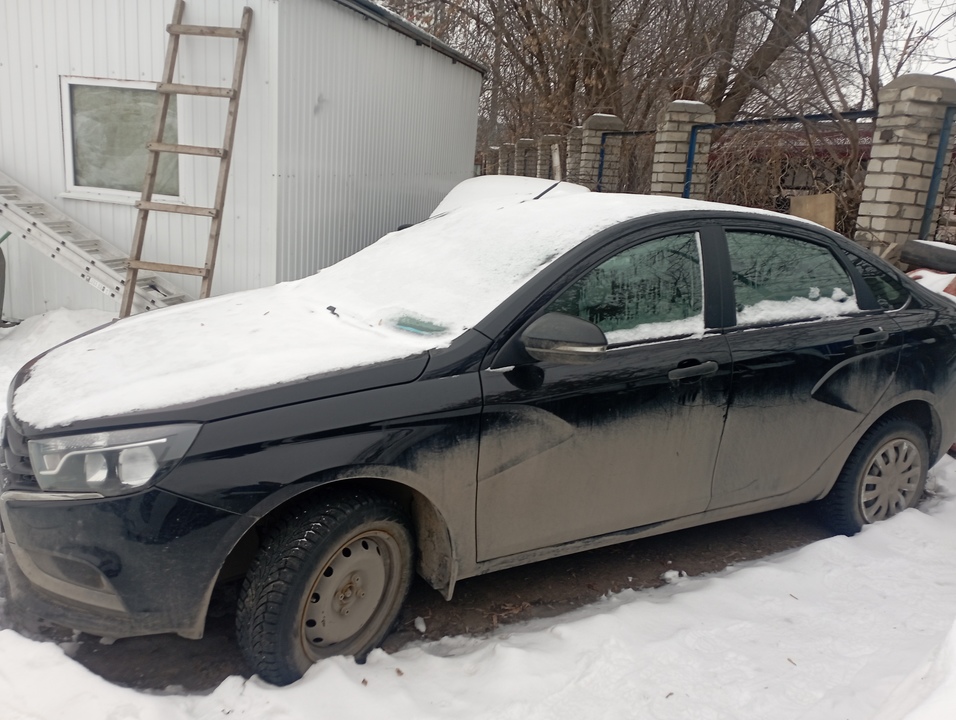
328,579
884,475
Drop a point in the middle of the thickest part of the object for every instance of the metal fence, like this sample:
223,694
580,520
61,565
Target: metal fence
946,212
635,158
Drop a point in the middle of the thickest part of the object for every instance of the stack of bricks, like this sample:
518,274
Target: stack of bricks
491,161
671,147
526,158
905,143
574,154
506,159
546,157
592,173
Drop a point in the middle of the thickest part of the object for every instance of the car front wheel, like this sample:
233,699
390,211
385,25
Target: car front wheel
329,579
884,475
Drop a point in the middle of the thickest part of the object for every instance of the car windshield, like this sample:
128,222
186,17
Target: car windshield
442,276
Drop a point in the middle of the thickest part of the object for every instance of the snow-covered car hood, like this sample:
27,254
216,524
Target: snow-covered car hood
412,291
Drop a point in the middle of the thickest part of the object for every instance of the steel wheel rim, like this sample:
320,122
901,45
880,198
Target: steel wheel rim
891,480
351,590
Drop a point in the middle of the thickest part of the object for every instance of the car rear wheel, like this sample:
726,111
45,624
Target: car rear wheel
884,475
329,579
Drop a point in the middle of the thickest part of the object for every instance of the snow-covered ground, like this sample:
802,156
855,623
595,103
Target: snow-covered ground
843,629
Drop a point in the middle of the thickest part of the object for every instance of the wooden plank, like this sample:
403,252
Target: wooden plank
170,88
186,149
168,268
820,209
174,208
934,256
205,31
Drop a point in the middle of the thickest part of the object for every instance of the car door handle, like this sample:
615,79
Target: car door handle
869,338
703,369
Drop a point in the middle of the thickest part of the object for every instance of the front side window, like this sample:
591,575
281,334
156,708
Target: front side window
650,291
108,126
780,279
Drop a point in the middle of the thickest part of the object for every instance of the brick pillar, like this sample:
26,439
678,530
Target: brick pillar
526,157
506,159
905,142
574,154
546,167
672,144
591,166
491,161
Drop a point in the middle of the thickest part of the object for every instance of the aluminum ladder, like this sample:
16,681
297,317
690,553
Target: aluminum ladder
78,249
156,147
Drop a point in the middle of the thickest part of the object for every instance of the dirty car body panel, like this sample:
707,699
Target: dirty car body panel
696,415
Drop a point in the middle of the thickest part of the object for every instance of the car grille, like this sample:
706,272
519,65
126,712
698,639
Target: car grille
16,459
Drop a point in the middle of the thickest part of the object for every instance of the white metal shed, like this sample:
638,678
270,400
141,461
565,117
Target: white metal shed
352,121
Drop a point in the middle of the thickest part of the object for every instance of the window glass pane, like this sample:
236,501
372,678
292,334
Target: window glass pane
649,291
779,278
111,126
889,291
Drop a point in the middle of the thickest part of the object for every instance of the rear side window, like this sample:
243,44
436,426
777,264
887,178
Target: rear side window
778,279
889,291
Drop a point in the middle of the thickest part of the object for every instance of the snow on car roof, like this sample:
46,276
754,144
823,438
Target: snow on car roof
503,189
412,291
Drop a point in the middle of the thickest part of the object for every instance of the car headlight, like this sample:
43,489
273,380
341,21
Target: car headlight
109,463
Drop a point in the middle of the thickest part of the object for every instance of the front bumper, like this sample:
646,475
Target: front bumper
118,567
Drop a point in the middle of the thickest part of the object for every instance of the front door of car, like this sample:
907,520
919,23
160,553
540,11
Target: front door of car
570,451
809,364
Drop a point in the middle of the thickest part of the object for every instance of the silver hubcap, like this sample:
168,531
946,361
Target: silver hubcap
346,593
891,480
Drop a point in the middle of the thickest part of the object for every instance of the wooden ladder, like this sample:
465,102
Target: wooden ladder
156,147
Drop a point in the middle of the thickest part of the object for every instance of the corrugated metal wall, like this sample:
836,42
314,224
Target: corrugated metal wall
373,131
346,129
44,40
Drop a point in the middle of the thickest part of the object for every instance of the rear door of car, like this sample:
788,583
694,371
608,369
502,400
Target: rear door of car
570,451
812,355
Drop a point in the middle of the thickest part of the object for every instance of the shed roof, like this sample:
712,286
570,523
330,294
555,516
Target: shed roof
399,24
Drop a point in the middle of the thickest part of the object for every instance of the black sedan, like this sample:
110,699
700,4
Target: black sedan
505,382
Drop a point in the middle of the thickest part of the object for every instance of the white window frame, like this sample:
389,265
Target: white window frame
85,192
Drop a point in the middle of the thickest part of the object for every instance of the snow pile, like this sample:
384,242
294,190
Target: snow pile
934,280
929,693
23,342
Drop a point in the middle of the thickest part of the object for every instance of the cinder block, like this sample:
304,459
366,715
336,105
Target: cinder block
907,167
921,94
887,96
915,136
882,180
885,150
925,153
878,208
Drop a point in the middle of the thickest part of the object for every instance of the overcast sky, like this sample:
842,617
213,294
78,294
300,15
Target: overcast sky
927,13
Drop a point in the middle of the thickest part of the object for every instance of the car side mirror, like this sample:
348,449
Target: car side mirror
561,338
